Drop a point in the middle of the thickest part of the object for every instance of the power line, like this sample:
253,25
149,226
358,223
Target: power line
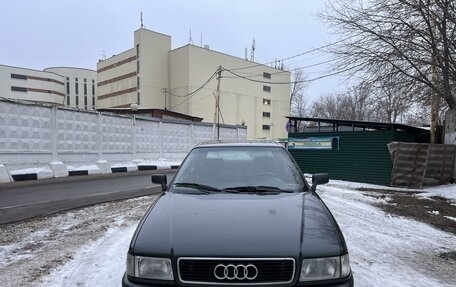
251,75
297,55
190,95
195,91
292,82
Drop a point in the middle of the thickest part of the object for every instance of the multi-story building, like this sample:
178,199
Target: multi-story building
156,76
74,87
80,86
31,85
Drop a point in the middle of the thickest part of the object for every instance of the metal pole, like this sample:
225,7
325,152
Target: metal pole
219,75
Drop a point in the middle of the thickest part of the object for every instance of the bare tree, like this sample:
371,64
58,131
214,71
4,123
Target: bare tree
392,99
331,106
298,103
358,102
413,40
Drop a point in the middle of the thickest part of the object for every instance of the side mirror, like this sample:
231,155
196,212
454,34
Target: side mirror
160,179
319,178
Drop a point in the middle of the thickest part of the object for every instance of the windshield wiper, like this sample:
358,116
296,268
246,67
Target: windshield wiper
255,189
201,187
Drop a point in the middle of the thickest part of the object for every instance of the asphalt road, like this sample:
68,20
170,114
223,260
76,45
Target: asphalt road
23,200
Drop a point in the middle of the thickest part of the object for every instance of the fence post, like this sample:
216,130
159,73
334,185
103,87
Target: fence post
191,136
54,133
99,136
134,136
160,138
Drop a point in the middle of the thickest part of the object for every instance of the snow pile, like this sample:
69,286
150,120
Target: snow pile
41,172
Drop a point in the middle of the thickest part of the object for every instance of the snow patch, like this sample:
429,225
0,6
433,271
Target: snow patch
452,218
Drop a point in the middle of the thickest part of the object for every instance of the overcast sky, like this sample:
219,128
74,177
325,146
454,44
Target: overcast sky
49,33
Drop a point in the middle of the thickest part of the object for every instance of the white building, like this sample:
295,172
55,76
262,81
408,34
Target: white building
31,85
80,86
74,87
155,76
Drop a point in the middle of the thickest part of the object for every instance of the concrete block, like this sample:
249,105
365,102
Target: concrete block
4,176
104,166
58,169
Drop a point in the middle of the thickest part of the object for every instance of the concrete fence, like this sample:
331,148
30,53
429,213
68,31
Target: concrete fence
32,135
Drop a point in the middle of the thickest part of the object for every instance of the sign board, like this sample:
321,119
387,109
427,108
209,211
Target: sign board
320,143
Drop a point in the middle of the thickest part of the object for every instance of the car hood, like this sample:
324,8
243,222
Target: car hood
238,225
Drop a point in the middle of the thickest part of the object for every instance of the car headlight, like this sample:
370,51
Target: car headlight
149,267
315,269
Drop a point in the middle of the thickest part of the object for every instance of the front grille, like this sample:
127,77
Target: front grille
265,270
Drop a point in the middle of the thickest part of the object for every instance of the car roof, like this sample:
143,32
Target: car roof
243,143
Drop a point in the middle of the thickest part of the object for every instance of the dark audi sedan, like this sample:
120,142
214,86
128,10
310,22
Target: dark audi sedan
238,214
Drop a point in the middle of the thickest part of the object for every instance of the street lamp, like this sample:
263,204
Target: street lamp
134,108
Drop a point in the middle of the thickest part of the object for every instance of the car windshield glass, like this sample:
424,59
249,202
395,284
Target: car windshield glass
241,169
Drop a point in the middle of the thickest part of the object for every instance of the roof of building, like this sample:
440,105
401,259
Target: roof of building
356,124
155,113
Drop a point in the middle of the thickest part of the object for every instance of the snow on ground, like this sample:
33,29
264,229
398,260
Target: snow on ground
384,250
46,172
446,191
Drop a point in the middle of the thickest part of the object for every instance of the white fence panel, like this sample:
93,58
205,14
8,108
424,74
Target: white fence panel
46,133
25,128
117,134
77,131
147,136
175,137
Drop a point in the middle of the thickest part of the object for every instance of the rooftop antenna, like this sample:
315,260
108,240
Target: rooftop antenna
142,23
103,55
246,53
190,41
252,54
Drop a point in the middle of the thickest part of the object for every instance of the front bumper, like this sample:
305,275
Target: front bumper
126,282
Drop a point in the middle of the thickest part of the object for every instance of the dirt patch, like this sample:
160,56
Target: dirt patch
32,248
434,210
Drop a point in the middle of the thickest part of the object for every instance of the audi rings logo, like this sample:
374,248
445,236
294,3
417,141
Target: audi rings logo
239,272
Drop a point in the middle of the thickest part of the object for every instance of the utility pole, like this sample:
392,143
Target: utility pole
219,76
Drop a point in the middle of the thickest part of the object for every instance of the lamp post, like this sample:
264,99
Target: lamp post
134,108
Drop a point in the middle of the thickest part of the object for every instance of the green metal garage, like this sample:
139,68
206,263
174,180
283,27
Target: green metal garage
348,150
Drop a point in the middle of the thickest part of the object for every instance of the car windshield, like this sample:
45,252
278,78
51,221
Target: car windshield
246,169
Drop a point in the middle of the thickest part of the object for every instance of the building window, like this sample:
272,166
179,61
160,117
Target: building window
138,83
77,101
266,114
19,89
137,51
76,87
266,127
17,76
85,87
85,102
93,102
68,87
68,100
137,67
266,102
138,98
266,75
93,88
266,88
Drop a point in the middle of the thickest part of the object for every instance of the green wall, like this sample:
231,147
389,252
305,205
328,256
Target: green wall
362,156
